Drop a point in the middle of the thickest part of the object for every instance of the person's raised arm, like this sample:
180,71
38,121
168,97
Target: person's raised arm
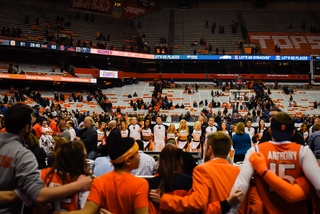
49,194
291,193
7,197
89,208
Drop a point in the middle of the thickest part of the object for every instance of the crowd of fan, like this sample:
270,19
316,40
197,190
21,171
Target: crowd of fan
59,142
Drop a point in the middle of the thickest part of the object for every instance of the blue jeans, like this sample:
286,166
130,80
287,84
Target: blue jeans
92,155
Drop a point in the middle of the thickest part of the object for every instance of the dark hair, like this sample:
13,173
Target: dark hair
104,150
17,117
70,162
140,143
315,127
171,140
170,163
220,143
276,109
118,148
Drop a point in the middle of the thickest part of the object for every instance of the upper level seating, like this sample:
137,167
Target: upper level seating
154,25
190,26
278,21
13,14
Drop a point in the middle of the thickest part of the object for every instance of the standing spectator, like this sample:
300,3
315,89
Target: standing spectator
70,163
21,170
114,135
314,141
128,193
70,126
147,165
64,131
241,143
206,193
89,137
250,130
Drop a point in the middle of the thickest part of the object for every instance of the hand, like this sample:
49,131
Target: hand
154,196
104,211
258,162
78,138
44,208
236,198
84,182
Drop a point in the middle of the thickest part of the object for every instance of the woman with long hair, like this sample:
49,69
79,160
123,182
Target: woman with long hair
70,163
101,133
171,132
241,143
303,131
124,129
196,136
146,135
183,134
57,146
261,128
169,175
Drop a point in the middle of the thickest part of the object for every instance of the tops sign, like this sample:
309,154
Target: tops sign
289,43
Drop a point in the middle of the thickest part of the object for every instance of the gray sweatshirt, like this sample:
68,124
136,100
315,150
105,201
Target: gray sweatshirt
314,143
18,170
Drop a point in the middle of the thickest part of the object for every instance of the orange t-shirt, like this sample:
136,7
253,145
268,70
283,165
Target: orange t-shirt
212,183
53,126
119,193
3,130
73,202
37,128
284,160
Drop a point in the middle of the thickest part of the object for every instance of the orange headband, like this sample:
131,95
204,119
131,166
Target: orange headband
127,154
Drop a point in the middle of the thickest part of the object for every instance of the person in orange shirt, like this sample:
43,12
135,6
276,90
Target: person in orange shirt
300,190
285,158
119,191
212,182
53,124
70,163
37,128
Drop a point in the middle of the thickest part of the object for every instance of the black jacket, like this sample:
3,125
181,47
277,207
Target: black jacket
113,137
89,137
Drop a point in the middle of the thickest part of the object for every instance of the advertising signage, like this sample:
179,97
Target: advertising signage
46,78
14,43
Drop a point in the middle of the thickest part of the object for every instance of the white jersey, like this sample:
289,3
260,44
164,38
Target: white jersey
134,131
159,132
146,132
249,131
210,129
100,135
196,134
124,133
171,135
183,133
